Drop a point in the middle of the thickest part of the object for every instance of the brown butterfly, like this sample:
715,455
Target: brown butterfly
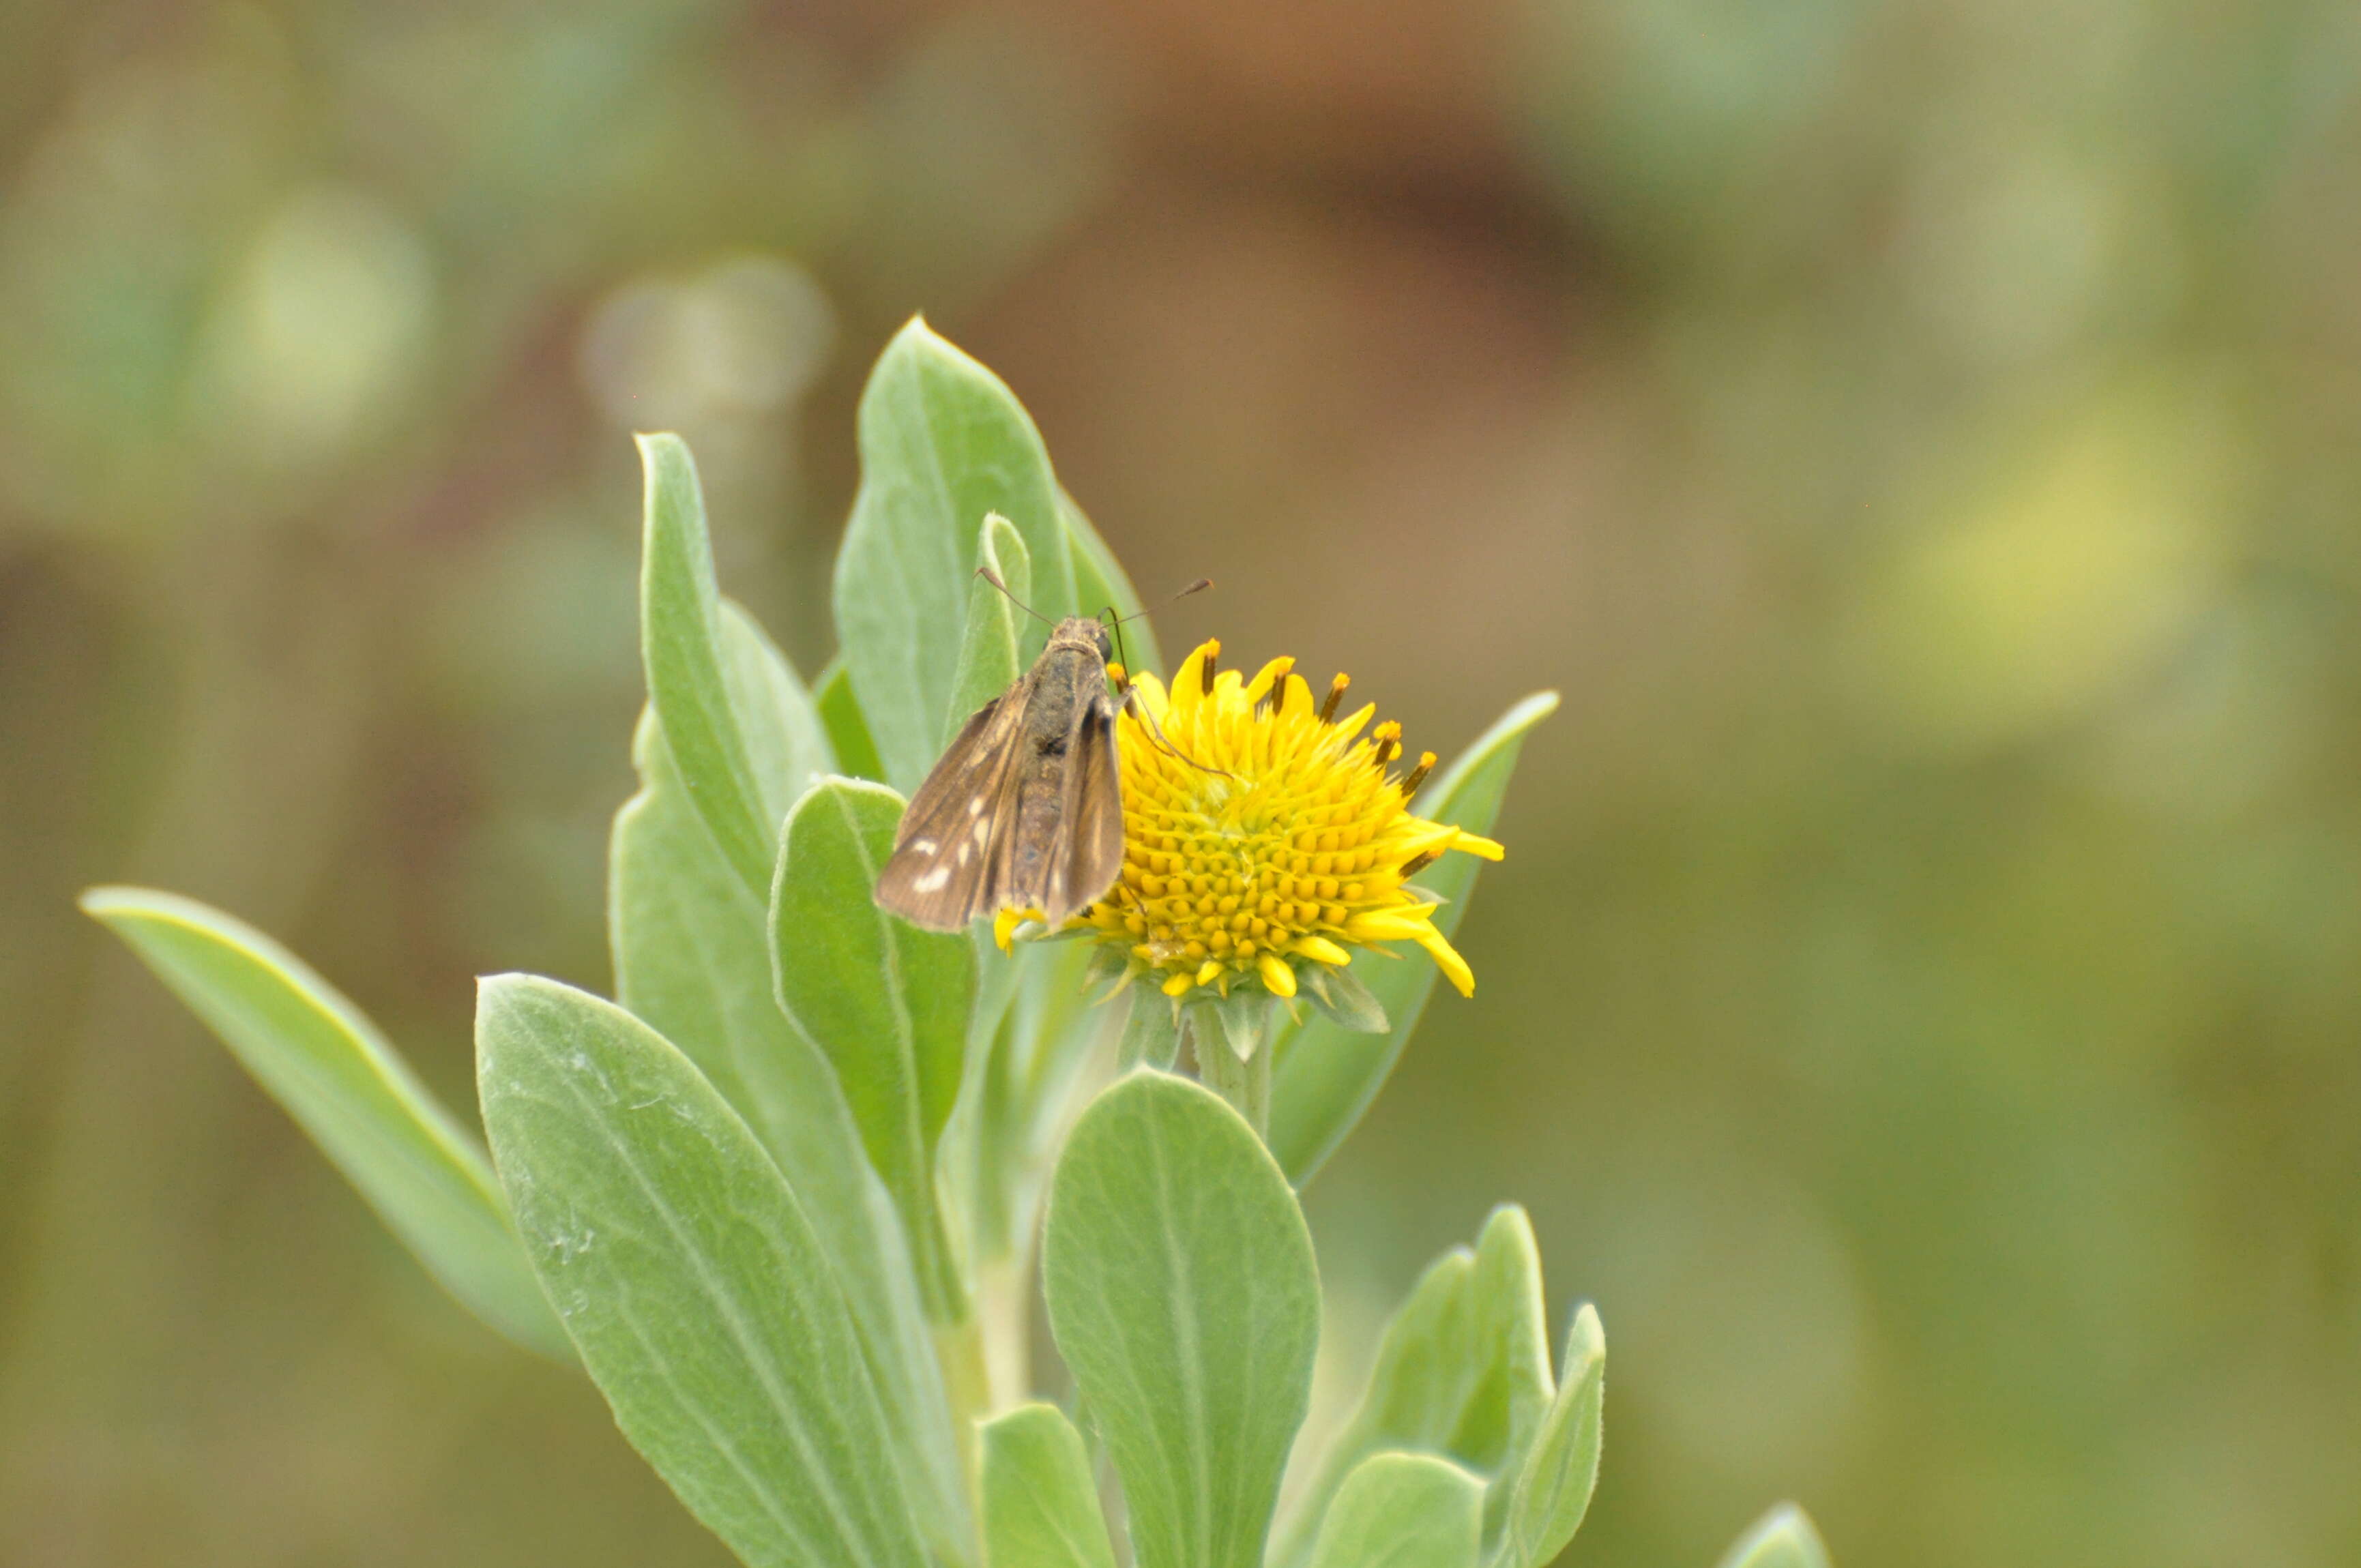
1025,809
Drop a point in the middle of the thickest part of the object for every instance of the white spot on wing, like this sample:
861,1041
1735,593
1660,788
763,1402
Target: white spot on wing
933,879
923,846
975,805
983,832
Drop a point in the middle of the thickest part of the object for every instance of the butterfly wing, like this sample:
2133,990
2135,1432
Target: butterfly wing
939,876
1087,862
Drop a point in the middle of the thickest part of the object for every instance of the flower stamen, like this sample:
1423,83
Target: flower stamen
1418,776
1336,696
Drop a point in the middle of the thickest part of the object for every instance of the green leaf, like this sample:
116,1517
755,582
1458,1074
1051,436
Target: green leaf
991,654
1100,582
848,732
351,1092
1151,1035
1561,1468
942,442
692,951
687,672
1462,1370
1326,1075
1344,999
1042,1029
1783,1538
1403,1510
1040,1506
786,743
885,1002
683,1265
1180,1287
1241,1020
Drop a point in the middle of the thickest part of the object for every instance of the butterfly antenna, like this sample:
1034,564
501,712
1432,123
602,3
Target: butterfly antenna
1131,693
989,575
1199,586
1115,624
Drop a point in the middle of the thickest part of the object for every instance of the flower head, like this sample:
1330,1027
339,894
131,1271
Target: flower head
1263,832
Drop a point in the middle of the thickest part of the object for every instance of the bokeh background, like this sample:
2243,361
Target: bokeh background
1922,440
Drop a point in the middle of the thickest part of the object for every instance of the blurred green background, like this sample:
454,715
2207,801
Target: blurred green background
1922,440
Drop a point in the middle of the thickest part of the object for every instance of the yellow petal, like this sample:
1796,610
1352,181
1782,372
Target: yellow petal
1208,972
1277,978
1446,959
1179,984
1188,680
1004,926
1484,848
1269,676
1427,837
1323,950
1403,922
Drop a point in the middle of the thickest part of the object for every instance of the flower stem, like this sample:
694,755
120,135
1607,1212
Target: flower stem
1245,1084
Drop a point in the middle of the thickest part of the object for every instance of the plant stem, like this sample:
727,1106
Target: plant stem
967,1380
1004,1308
1245,1084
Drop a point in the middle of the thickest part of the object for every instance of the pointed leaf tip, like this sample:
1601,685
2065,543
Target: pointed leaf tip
322,1060
1783,1538
1561,1469
943,442
682,648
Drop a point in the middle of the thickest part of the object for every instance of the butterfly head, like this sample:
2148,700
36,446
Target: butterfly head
1085,631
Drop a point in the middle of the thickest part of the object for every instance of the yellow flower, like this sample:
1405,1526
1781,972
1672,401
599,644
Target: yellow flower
1262,833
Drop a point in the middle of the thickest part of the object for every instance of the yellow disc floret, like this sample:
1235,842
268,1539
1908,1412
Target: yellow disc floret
1262,831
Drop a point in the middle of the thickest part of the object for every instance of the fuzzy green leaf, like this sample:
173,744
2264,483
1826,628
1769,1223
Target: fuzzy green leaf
1040,1506
1042,1033
1151,1035
1015,1101
1237,1021
992,651
942,442
1561,1467
1463,1370
704,1305
1783,1538
350,1089
1100,583
848,732
1182,1289
688,670
778,722
885,1002
692,951
1344,999
1326,1075
1403,1510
